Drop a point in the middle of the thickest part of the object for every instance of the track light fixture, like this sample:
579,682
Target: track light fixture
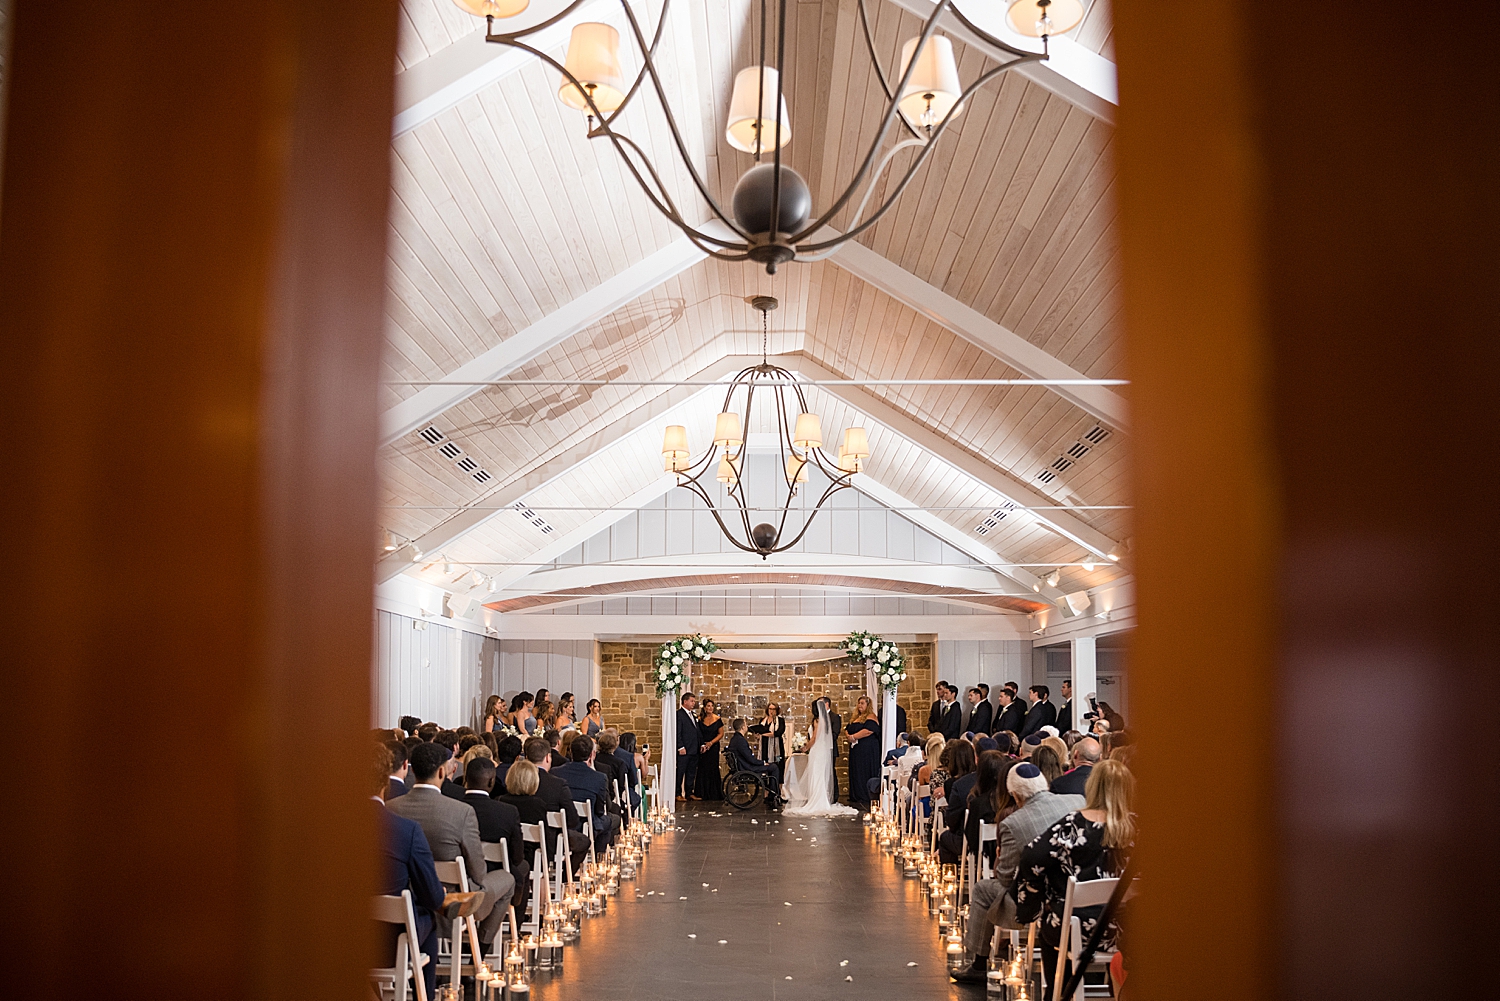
1054,577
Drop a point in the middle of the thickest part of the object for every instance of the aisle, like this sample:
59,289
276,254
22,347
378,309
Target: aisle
785,907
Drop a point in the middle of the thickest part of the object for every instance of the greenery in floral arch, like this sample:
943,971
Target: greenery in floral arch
674,656
867,648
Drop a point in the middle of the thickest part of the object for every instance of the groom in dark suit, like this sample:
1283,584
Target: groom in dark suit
836,724
689,741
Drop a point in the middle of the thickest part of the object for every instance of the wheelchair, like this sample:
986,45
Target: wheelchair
744,789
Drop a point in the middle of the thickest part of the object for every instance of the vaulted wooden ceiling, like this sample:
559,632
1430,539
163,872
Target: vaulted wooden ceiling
503,213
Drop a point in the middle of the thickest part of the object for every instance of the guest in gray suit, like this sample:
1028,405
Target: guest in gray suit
452,830
991,904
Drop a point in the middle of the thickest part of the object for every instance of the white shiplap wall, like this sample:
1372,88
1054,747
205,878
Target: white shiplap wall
557,665
435,673
968,662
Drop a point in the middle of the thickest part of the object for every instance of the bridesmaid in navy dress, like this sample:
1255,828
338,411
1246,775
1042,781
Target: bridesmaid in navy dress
864,752
710,785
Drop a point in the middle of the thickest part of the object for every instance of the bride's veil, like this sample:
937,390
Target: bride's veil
820,755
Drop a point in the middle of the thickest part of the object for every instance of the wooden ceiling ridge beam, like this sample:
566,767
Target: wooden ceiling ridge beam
551,330
1072,71
935,443
548,467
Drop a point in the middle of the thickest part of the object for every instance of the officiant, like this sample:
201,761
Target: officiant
772,732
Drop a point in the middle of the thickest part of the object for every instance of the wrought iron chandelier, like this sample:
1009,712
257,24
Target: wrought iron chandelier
926,96
799,444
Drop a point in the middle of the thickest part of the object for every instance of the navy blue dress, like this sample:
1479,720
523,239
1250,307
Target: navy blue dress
864,761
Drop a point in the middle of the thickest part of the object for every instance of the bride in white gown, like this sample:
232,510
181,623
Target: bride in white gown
812,794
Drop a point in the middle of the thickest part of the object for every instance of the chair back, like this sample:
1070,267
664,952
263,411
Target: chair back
559,820
453,873
497,851
397,910
987,834
1092,893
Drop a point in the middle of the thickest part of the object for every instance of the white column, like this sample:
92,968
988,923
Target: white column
888,722
666,772
1085,677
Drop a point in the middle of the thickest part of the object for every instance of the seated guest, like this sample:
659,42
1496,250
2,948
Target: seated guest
558,798
989,905
1047,761
565,740
520,792
627,756
553,737
428,732
1093,843
397,785
613,769
903,741
988,801
466,741
409,725
1030,744
452,831
589,785
1005,742
507,749
743,759
497,820
962,763
405,864
1085,757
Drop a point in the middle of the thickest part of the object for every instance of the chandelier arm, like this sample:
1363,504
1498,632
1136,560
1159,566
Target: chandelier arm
833,488
666,108
916,164
890,95
990,39
669,209
694,486
869,192
780,84
508,37
885,127
640,77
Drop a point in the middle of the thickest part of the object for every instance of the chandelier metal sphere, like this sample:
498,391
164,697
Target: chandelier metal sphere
924,94
799,445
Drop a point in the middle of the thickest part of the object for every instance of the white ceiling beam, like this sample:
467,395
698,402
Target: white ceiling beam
979,330
551,330
548,467
763,628
1079,76
430,87
999,480
954,536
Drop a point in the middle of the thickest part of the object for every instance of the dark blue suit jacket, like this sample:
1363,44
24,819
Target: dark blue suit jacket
406,864
587,784
627,759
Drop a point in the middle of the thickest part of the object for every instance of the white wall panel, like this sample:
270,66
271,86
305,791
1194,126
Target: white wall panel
435,673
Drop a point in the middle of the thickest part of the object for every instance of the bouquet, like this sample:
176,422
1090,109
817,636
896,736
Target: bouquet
799,741
673,658
885,657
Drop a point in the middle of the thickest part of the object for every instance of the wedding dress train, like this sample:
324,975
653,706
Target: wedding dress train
812,795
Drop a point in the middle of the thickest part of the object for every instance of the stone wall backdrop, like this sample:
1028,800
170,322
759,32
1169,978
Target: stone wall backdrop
629,692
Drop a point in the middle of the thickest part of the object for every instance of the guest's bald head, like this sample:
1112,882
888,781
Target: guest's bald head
1086,752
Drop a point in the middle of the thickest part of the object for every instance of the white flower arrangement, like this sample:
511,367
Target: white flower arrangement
868,649
672,655
799,741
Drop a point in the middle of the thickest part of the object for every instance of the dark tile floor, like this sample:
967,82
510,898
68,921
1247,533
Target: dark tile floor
790,912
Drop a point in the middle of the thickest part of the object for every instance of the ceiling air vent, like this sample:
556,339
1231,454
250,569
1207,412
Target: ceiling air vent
467,464
532,518
1097,435
1061,463
1046,476
1078,450
431,435
450,450
995,518
480,476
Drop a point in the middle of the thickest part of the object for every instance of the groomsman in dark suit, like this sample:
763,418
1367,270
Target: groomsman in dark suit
689,742
1065,711
1012,713
981,713
1042,713
939,707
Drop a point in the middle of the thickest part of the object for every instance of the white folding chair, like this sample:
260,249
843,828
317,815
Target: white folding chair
536,834
409,959
499,851
455,874
1093,893
586,811
987,833
564,864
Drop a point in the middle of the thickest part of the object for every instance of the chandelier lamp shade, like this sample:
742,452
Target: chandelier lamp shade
799,447
770,218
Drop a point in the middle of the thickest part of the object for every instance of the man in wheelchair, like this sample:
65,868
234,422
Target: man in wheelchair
743,759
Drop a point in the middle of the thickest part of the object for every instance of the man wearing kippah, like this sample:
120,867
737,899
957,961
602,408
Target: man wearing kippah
991,903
